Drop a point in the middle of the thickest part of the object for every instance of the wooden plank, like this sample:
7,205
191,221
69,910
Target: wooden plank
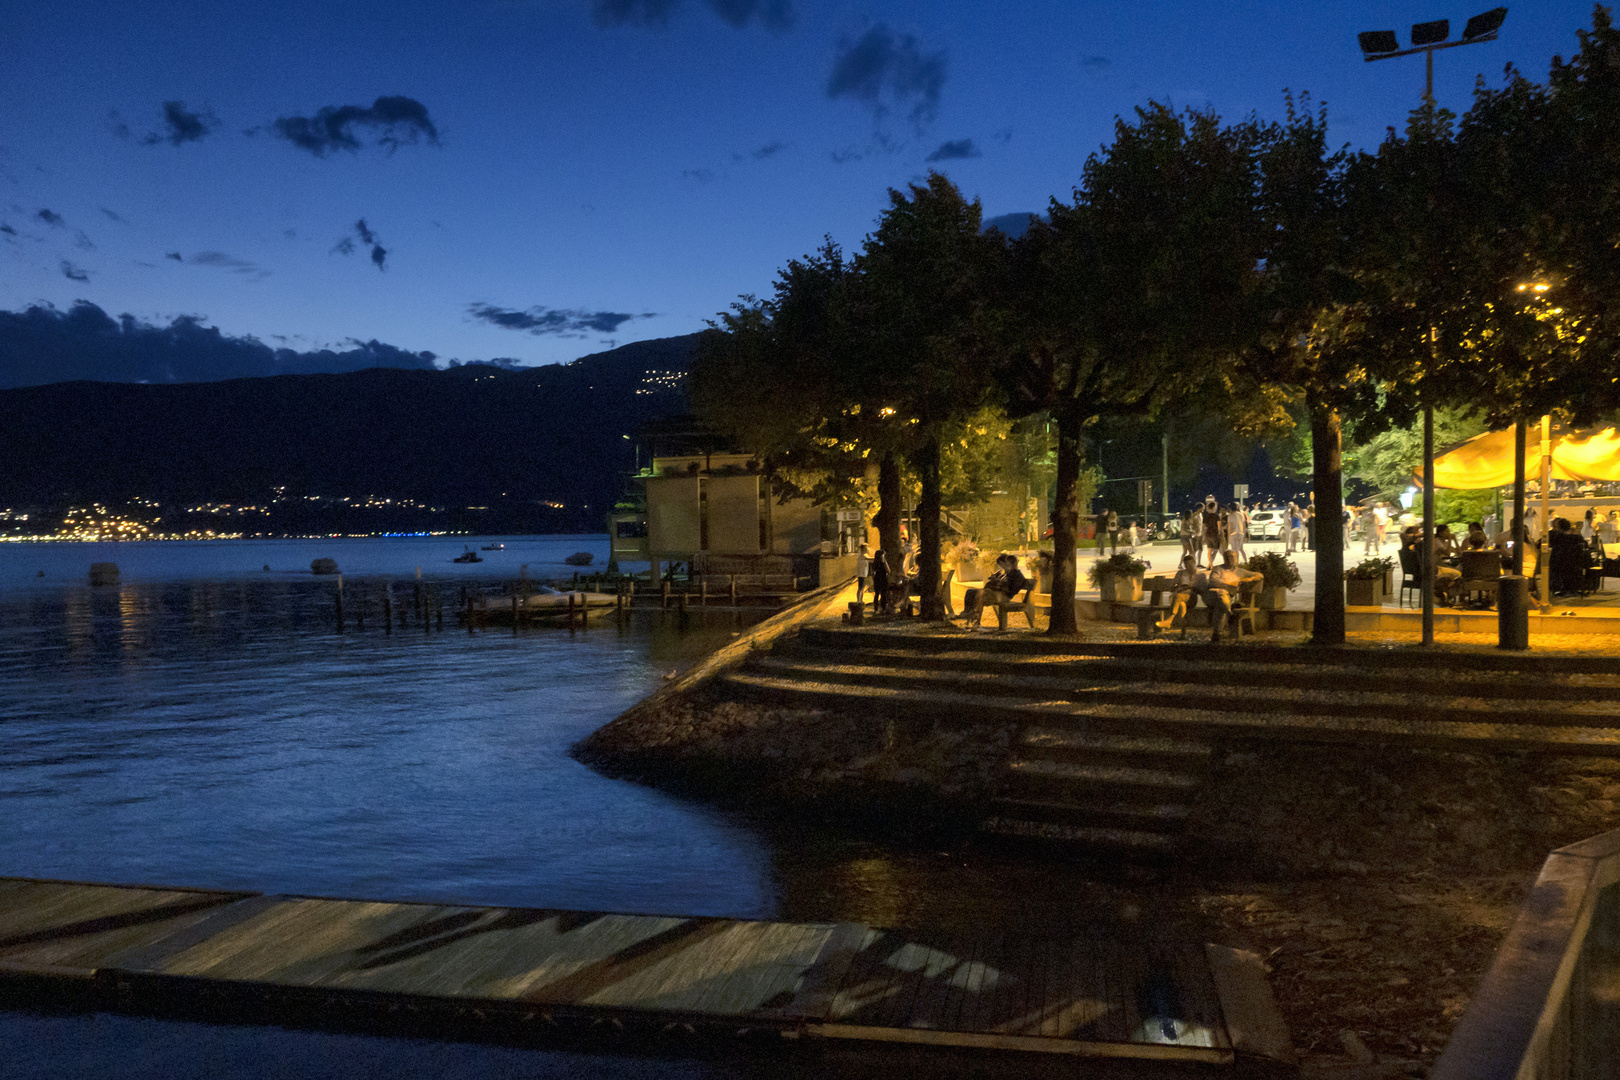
829,967
870,982
933,991
963,984
590,943
678,971
476,954
740,989
75,926
990,1041
1249,1011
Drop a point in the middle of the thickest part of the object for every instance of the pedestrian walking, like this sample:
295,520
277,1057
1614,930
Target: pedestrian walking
1214,528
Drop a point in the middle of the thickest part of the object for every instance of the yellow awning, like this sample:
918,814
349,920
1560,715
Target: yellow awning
1486,461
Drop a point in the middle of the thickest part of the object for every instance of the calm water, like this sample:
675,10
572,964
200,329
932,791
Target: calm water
202,723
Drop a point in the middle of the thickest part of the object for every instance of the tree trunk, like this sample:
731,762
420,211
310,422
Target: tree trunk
1327,469
887,519
1066,524
927,461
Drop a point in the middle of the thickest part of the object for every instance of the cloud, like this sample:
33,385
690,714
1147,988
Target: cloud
561,322
769,150
8,230
182,125
1095,63
112,215
844,157
955,150
773,14
366,238
82,241
883,69
396,120
700,176
221,261
43,345
73,273
51,218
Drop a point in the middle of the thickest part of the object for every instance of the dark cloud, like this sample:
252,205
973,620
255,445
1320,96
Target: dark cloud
396,121
182,125
82,241
51,218
44,345
844,157
1095,63
366,238
561,322
8,230
769,150
221,261
883,69
954,150
772,14
73,273
112,215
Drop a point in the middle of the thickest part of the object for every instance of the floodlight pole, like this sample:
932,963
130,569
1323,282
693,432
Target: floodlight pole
1428,553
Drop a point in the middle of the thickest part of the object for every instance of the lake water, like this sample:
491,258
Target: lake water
203,723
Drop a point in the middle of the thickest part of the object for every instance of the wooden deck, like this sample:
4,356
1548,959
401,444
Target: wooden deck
511,973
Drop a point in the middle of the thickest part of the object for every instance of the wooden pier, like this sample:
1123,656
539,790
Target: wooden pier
525,976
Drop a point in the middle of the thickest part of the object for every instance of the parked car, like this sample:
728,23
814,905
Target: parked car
1268,524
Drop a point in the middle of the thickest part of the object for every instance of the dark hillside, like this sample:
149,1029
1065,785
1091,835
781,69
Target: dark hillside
469,437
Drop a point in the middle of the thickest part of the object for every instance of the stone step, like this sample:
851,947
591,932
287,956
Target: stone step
1132,841
1446,702
1161,817
933,705
1307,675
1254,655
1093,779
1057,744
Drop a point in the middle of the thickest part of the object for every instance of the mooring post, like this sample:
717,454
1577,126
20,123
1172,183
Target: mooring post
733,590
666,595
388,611
340,607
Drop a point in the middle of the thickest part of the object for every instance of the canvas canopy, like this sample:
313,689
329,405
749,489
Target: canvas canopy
1486,461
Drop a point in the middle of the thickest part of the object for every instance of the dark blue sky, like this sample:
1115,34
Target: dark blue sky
500,178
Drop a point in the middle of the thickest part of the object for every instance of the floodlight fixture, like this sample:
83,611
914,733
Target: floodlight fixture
1427,37
1483,27
1430,33
1374,42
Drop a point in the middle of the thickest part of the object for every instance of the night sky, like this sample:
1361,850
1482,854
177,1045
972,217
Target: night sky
539,180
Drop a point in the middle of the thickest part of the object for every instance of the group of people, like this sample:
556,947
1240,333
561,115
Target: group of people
998,591
1218,588
1213,529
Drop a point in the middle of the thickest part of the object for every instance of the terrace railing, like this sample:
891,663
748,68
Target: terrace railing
1549,1007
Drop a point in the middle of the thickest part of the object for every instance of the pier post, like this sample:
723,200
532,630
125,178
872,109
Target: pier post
388,611
733,590
666,595
514,614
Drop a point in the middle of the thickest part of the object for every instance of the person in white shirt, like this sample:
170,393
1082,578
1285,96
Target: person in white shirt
1609,530
1237,528
1189,582
863,573
1226,583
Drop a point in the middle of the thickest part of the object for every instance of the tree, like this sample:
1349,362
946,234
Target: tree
1127,299
926,275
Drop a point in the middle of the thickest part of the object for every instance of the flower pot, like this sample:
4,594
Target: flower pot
1271,599
1363,592
968,570
1389,585
1121,588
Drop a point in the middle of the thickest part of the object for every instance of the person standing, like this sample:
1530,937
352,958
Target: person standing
863,572
880,582
1237,529
1310,528
1192,528
1113,533
1214,526
1101,532
1381,523
1371,540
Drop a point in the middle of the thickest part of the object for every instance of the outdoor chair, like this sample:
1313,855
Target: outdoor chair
1411,575
1481,574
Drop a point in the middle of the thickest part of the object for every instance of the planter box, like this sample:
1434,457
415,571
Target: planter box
1359,593
1271,599
1121,588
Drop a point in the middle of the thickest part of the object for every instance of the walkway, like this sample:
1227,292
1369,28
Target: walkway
522,975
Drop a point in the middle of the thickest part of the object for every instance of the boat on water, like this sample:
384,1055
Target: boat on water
467,556
494,547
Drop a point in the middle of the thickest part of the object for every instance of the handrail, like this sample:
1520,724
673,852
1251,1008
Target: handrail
1548,1005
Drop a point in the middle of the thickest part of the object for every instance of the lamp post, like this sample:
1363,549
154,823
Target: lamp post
1428,38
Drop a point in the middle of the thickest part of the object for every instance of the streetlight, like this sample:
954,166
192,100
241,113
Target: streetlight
1429,38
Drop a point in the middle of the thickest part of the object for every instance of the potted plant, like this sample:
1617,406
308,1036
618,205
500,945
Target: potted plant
1363,583
1280,575
1119,578
1043,563
965,557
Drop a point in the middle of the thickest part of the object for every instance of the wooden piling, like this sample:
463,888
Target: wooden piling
388,611
665,586
340,611
733,590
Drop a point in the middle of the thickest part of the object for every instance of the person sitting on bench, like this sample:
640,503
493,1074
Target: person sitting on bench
999,589
1226,583
1188,583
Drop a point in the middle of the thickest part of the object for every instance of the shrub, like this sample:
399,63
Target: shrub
1120,564
1278,570
1370,570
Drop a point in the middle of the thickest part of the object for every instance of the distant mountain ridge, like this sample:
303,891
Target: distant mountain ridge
535,449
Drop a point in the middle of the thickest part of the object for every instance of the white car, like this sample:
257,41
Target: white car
1268,524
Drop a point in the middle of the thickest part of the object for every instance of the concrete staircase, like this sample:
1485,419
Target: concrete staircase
1115,740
